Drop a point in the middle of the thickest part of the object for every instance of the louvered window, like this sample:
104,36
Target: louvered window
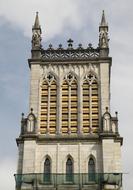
69,104
90,104
48,105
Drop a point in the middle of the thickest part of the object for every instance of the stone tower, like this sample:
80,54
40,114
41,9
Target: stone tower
69,140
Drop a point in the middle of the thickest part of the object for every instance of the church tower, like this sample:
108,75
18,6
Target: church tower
69,140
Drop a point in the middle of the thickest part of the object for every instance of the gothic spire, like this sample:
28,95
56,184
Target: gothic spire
36,23
103,20
103,37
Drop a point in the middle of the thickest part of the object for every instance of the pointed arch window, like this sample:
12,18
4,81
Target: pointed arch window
69,104
90,104
69,170
47,170
91,170
48,105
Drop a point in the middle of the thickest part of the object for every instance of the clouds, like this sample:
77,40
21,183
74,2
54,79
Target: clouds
7,170
57,16
53,14
61,19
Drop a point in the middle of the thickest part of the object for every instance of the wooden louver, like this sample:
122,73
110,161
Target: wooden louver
69,106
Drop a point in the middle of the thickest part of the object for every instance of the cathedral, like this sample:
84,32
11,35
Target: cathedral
69,140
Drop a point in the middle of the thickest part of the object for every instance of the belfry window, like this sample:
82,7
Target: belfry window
90,104
91,170
48,105
69,170
69,104
47,170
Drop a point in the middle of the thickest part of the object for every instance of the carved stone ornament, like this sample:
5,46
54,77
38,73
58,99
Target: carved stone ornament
90,78
103,40
49,78
36,39
70,78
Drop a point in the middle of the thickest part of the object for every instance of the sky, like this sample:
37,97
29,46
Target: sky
61,20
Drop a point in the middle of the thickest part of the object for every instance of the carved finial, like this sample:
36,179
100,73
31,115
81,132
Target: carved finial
107,109
80,46
60,47
70,43
22,115
90,45
116,113
50,47
31,110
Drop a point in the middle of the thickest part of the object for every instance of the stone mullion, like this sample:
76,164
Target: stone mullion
48,114
80,106
69,109
90,106
59,109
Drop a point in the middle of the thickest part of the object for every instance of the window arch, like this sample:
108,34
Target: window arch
69,169
47,170
90,104
69,104
91,170
47,166
48,105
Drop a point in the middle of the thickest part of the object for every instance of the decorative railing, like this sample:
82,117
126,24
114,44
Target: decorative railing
78,181
69,53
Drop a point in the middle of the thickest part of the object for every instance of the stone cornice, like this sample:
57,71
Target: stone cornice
116,137
58,138
66,62
69,138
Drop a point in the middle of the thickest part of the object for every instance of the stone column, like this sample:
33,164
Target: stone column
69,109
48,114
34,88
90,107
105,86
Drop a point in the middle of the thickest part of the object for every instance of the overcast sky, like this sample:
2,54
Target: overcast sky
61,20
